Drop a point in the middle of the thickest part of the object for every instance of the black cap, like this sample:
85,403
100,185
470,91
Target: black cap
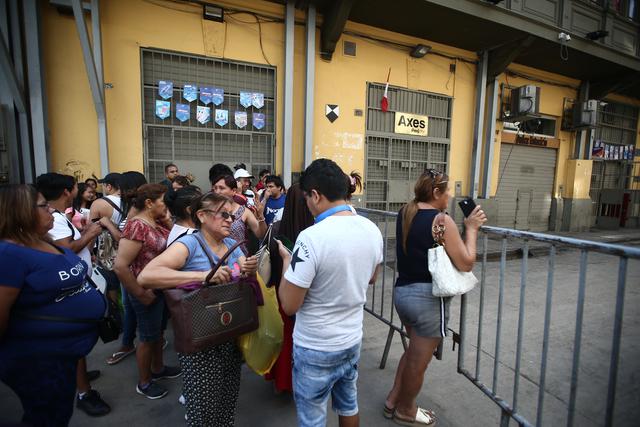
111,178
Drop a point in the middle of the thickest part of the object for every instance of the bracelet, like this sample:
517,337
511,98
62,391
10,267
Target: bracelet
261,220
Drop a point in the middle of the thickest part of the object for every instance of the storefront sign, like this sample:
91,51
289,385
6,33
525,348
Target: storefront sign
531,140
411,124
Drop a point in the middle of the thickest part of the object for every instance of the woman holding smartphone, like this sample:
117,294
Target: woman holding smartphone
423,315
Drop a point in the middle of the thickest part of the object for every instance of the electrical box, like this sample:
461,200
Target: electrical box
525,102
585,114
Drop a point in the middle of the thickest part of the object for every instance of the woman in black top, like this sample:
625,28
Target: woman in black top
423,315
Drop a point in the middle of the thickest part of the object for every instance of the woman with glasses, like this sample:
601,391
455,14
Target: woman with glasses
226,185
144,238
38,356
212,376
423,315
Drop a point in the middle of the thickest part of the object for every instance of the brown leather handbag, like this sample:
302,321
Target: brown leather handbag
213,314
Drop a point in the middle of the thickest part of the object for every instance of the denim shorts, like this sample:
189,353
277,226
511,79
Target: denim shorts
419,309
149,318
316,374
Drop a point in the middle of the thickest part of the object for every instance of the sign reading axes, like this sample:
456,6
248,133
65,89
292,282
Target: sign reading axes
332,112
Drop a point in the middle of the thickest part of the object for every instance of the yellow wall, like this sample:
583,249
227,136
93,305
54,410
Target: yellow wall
578,179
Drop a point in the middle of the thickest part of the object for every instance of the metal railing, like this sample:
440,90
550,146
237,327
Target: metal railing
380,305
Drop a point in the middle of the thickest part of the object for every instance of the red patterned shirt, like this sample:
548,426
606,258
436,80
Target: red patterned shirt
154,241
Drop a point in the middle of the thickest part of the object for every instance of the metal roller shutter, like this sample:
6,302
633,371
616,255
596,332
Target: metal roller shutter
525,187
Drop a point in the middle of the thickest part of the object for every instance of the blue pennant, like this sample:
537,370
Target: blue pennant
183,112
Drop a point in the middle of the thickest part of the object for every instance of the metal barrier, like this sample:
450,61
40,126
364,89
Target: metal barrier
380,305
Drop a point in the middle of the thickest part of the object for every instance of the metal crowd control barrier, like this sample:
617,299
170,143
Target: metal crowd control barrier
380,305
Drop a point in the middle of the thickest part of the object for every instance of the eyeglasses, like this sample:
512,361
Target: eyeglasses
224,214
46,206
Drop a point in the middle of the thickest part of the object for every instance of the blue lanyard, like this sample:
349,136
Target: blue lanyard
333,210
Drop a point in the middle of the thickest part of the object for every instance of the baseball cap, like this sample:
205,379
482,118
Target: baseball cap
242,173
110,178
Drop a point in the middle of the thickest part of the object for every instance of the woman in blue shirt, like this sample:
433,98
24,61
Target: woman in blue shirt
37,279
212,376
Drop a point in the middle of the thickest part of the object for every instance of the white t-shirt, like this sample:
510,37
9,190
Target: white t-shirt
334,260
63,228
178,230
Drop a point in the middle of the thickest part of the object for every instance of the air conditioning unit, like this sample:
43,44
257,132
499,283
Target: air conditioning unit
525,103
584,115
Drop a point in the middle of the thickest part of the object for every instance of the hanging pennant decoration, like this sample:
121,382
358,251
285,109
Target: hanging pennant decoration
163,109
165,89
257,99
206,95
183,112
190,92
258,120
222,117
241,119
217,96
245,99
203,114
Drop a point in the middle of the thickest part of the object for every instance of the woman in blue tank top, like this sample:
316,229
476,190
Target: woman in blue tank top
38,356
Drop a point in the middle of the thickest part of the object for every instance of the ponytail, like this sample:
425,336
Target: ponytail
408,212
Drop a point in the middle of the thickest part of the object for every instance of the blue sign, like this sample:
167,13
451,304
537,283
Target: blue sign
245,99
257,99
190,92
217,96
241,119
163,109
165,89
222,117
258,120
203,114
183,112
206,94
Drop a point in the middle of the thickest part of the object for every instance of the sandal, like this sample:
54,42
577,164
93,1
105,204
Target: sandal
388,412
423,418
118,356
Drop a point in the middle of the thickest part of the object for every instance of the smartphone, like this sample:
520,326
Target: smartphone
240,199
467,206
286,242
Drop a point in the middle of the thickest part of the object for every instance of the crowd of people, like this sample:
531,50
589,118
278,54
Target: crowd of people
58,237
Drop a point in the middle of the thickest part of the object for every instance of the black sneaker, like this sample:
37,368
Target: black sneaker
167,372
92,404
93,375
152,391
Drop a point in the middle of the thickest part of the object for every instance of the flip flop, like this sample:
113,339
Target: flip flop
388,412
423,418
118,356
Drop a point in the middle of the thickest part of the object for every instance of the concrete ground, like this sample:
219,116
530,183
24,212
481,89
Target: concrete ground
456,401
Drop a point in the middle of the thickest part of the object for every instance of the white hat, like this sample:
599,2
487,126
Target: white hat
242,173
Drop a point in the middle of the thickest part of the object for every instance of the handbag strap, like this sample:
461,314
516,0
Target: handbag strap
438,229
267,237
214,266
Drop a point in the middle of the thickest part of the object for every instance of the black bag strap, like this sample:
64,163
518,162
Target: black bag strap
214,266
71,228
116,207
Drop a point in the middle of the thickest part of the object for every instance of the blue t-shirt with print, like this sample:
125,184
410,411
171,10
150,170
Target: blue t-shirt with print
273,209
197,259
50,285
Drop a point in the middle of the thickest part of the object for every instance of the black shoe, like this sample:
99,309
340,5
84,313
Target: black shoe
167,372
92,404
93,375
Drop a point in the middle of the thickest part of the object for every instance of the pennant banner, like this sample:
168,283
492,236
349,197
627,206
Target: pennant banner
245,99
206,95
190,92
222,117
203,114
183,112
165,89
163,109
241,119
217,96
258,120
257,99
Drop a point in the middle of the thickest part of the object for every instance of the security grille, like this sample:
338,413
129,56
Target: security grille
195,146
395,161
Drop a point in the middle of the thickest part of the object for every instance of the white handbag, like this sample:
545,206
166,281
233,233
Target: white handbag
264,257
447,280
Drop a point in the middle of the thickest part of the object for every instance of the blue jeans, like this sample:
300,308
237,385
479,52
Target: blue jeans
130,322
316,374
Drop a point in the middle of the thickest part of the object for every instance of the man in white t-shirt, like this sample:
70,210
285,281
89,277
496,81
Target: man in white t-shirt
60,190
324,285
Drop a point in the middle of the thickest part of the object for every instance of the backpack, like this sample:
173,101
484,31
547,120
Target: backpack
106,245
